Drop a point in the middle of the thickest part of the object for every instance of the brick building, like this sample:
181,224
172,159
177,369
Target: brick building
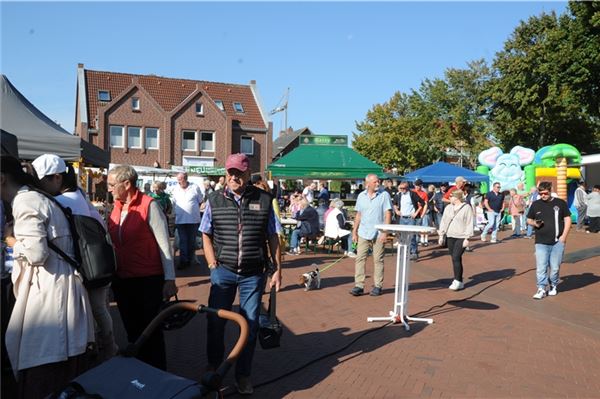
154,121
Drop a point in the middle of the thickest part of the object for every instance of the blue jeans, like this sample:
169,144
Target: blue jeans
295,239
438,219
224,285
414,249
548,256
493,224
187,241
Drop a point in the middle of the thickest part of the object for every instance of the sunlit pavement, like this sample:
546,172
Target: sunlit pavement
498,343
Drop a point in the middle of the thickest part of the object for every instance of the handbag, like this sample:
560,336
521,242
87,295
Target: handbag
270,330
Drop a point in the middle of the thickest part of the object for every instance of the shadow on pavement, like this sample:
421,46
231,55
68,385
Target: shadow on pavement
300,350
576,281
489,276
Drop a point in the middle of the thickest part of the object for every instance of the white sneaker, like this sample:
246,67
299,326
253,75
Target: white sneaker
493,241
540,293
350,254
483,237
552,291
456,285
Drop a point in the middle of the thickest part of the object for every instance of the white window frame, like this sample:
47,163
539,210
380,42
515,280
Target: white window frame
129,136
201,111
183,132
110,136
212,140
220,104
146,138
242,138
103,91
241,107
135,103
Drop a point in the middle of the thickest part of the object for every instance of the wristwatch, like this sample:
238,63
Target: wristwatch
212,265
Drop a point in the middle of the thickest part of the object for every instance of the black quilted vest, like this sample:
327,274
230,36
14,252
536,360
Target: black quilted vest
240,232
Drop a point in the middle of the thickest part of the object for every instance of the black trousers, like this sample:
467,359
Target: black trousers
139,300
455,246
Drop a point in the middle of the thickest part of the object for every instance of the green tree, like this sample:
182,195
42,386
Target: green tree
413,130
540,90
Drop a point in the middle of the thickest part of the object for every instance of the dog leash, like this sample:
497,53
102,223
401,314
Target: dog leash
331,264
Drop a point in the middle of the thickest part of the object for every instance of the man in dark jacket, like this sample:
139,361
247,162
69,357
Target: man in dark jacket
308,226
238,224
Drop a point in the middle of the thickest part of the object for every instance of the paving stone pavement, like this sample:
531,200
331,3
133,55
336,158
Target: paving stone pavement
490,340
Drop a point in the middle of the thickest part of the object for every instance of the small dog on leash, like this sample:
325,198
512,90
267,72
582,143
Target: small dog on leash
311,280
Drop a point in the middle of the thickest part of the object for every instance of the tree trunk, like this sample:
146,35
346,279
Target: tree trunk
561,178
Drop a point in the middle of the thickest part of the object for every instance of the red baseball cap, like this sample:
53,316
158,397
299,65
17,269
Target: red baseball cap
237,161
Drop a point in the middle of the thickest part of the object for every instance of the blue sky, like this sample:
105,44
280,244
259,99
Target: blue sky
339,59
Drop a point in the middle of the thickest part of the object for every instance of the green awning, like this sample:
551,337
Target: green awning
324,162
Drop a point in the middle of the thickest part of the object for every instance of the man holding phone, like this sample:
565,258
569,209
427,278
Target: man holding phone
551,219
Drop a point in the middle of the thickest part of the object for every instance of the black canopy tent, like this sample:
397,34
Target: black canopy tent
37,134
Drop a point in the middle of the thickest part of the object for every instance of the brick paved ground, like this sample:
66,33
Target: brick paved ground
498,343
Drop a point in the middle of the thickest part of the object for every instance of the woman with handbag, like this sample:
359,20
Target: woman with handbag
51,323
456,228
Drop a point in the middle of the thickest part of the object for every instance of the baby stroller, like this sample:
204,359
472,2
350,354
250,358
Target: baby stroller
125,376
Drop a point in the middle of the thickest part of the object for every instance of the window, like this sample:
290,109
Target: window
199,108
134,137
151,138
247,145
135,103
220,105
238,108
188,142
103,95
116,136
206,141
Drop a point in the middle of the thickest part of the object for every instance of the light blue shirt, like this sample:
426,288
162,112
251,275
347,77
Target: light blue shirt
372,212
406,205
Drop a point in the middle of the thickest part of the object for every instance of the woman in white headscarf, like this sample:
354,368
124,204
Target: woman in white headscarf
51,324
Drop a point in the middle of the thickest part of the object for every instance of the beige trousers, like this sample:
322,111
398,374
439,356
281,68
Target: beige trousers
362,251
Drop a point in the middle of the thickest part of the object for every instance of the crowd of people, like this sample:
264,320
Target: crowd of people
240,222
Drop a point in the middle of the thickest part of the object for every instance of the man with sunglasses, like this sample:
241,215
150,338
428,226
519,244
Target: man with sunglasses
551,219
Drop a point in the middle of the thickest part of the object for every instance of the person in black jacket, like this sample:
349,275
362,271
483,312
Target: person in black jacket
308,226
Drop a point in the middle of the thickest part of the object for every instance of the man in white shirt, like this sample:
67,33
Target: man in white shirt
309,192
186,198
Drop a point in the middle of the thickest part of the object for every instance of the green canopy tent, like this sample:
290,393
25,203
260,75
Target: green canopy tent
326,158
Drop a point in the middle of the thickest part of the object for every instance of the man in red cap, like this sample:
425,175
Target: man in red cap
237,227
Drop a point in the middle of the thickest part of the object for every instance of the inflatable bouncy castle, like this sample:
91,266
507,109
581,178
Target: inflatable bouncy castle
558,163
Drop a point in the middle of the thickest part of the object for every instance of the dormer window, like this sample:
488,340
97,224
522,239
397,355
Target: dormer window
238,108
199,108
220,105
135,103
103,95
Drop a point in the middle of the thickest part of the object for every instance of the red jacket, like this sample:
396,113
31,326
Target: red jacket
136,248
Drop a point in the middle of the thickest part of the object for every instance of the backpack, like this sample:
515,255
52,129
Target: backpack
94,254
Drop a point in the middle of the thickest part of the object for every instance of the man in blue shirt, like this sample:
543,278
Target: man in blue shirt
494,205
372,207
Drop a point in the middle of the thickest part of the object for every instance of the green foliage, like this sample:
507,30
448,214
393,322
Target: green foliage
543,88
545,84
413,130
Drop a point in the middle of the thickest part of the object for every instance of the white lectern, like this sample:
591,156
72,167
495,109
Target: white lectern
404,234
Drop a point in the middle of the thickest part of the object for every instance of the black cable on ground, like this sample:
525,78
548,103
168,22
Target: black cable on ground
379,328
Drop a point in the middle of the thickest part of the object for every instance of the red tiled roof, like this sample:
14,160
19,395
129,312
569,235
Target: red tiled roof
170,92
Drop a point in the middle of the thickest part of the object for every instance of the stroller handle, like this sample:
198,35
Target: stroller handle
182,306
